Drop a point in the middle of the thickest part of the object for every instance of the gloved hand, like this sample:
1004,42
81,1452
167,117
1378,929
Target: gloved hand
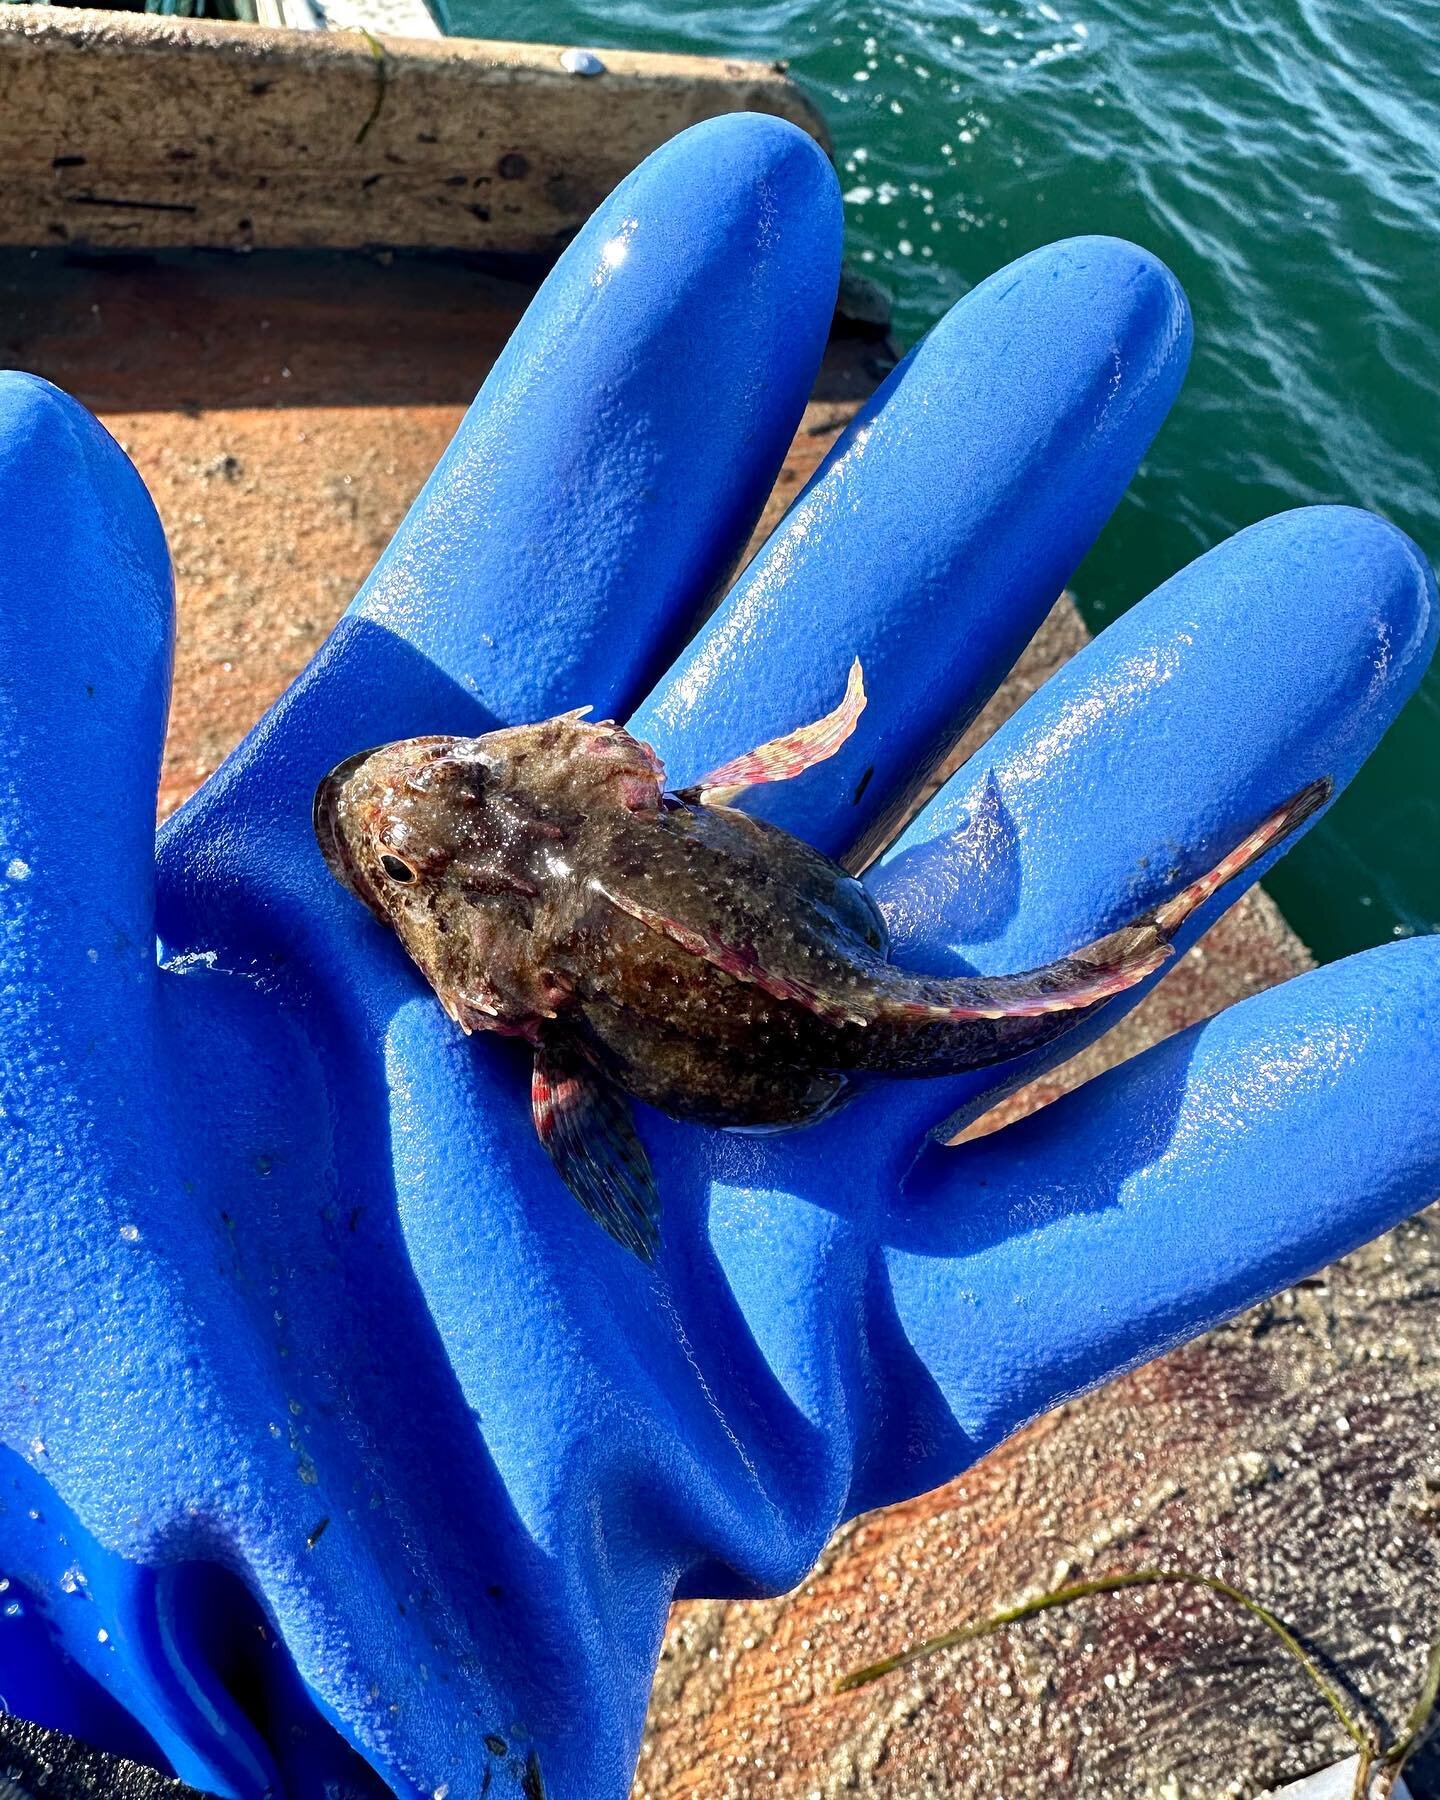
290,1294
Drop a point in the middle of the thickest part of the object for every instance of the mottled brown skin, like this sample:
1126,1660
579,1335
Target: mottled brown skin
512,867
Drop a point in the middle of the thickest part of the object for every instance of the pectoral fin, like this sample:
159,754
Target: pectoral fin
584,1122
785,756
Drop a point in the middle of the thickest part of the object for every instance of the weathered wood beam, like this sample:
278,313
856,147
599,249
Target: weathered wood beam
120,130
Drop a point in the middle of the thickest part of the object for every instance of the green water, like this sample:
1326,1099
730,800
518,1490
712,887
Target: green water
1283,156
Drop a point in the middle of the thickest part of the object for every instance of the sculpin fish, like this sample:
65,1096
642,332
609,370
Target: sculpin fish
668,946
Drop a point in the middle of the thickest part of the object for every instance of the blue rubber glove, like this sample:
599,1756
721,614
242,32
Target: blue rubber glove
293,1305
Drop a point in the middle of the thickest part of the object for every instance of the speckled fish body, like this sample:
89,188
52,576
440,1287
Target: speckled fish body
670,946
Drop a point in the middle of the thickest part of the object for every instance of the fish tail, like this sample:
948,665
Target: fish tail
1113,963
1271,831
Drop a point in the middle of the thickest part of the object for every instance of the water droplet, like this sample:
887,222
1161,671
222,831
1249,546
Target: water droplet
130,1233
14,1610
581,62
102,1636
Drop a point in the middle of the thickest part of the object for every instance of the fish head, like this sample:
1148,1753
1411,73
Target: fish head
466,847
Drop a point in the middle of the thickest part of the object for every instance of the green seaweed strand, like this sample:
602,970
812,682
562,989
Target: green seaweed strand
377,50
1360,1735
1421,1721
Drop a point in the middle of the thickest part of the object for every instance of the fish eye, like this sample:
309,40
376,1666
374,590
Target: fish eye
396,867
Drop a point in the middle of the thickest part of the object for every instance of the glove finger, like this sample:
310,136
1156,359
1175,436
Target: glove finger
1218,1167
610,470
1279,657
937,534
85,635
615,462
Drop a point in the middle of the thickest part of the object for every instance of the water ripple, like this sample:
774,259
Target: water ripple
1283,156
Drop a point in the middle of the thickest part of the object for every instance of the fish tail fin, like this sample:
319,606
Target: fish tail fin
1113,963
1279,825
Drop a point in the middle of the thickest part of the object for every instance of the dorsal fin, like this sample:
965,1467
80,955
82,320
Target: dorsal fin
787,756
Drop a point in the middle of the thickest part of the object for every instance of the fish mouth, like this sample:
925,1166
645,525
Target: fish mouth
325,817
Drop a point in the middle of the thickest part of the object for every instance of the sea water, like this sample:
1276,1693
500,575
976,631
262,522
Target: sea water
1282,156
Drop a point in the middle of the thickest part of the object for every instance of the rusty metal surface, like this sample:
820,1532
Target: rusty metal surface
125,130
284,410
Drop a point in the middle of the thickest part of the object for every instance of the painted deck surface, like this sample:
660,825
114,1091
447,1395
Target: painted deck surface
284,409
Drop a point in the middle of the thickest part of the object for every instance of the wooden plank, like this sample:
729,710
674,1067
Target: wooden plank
125,130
